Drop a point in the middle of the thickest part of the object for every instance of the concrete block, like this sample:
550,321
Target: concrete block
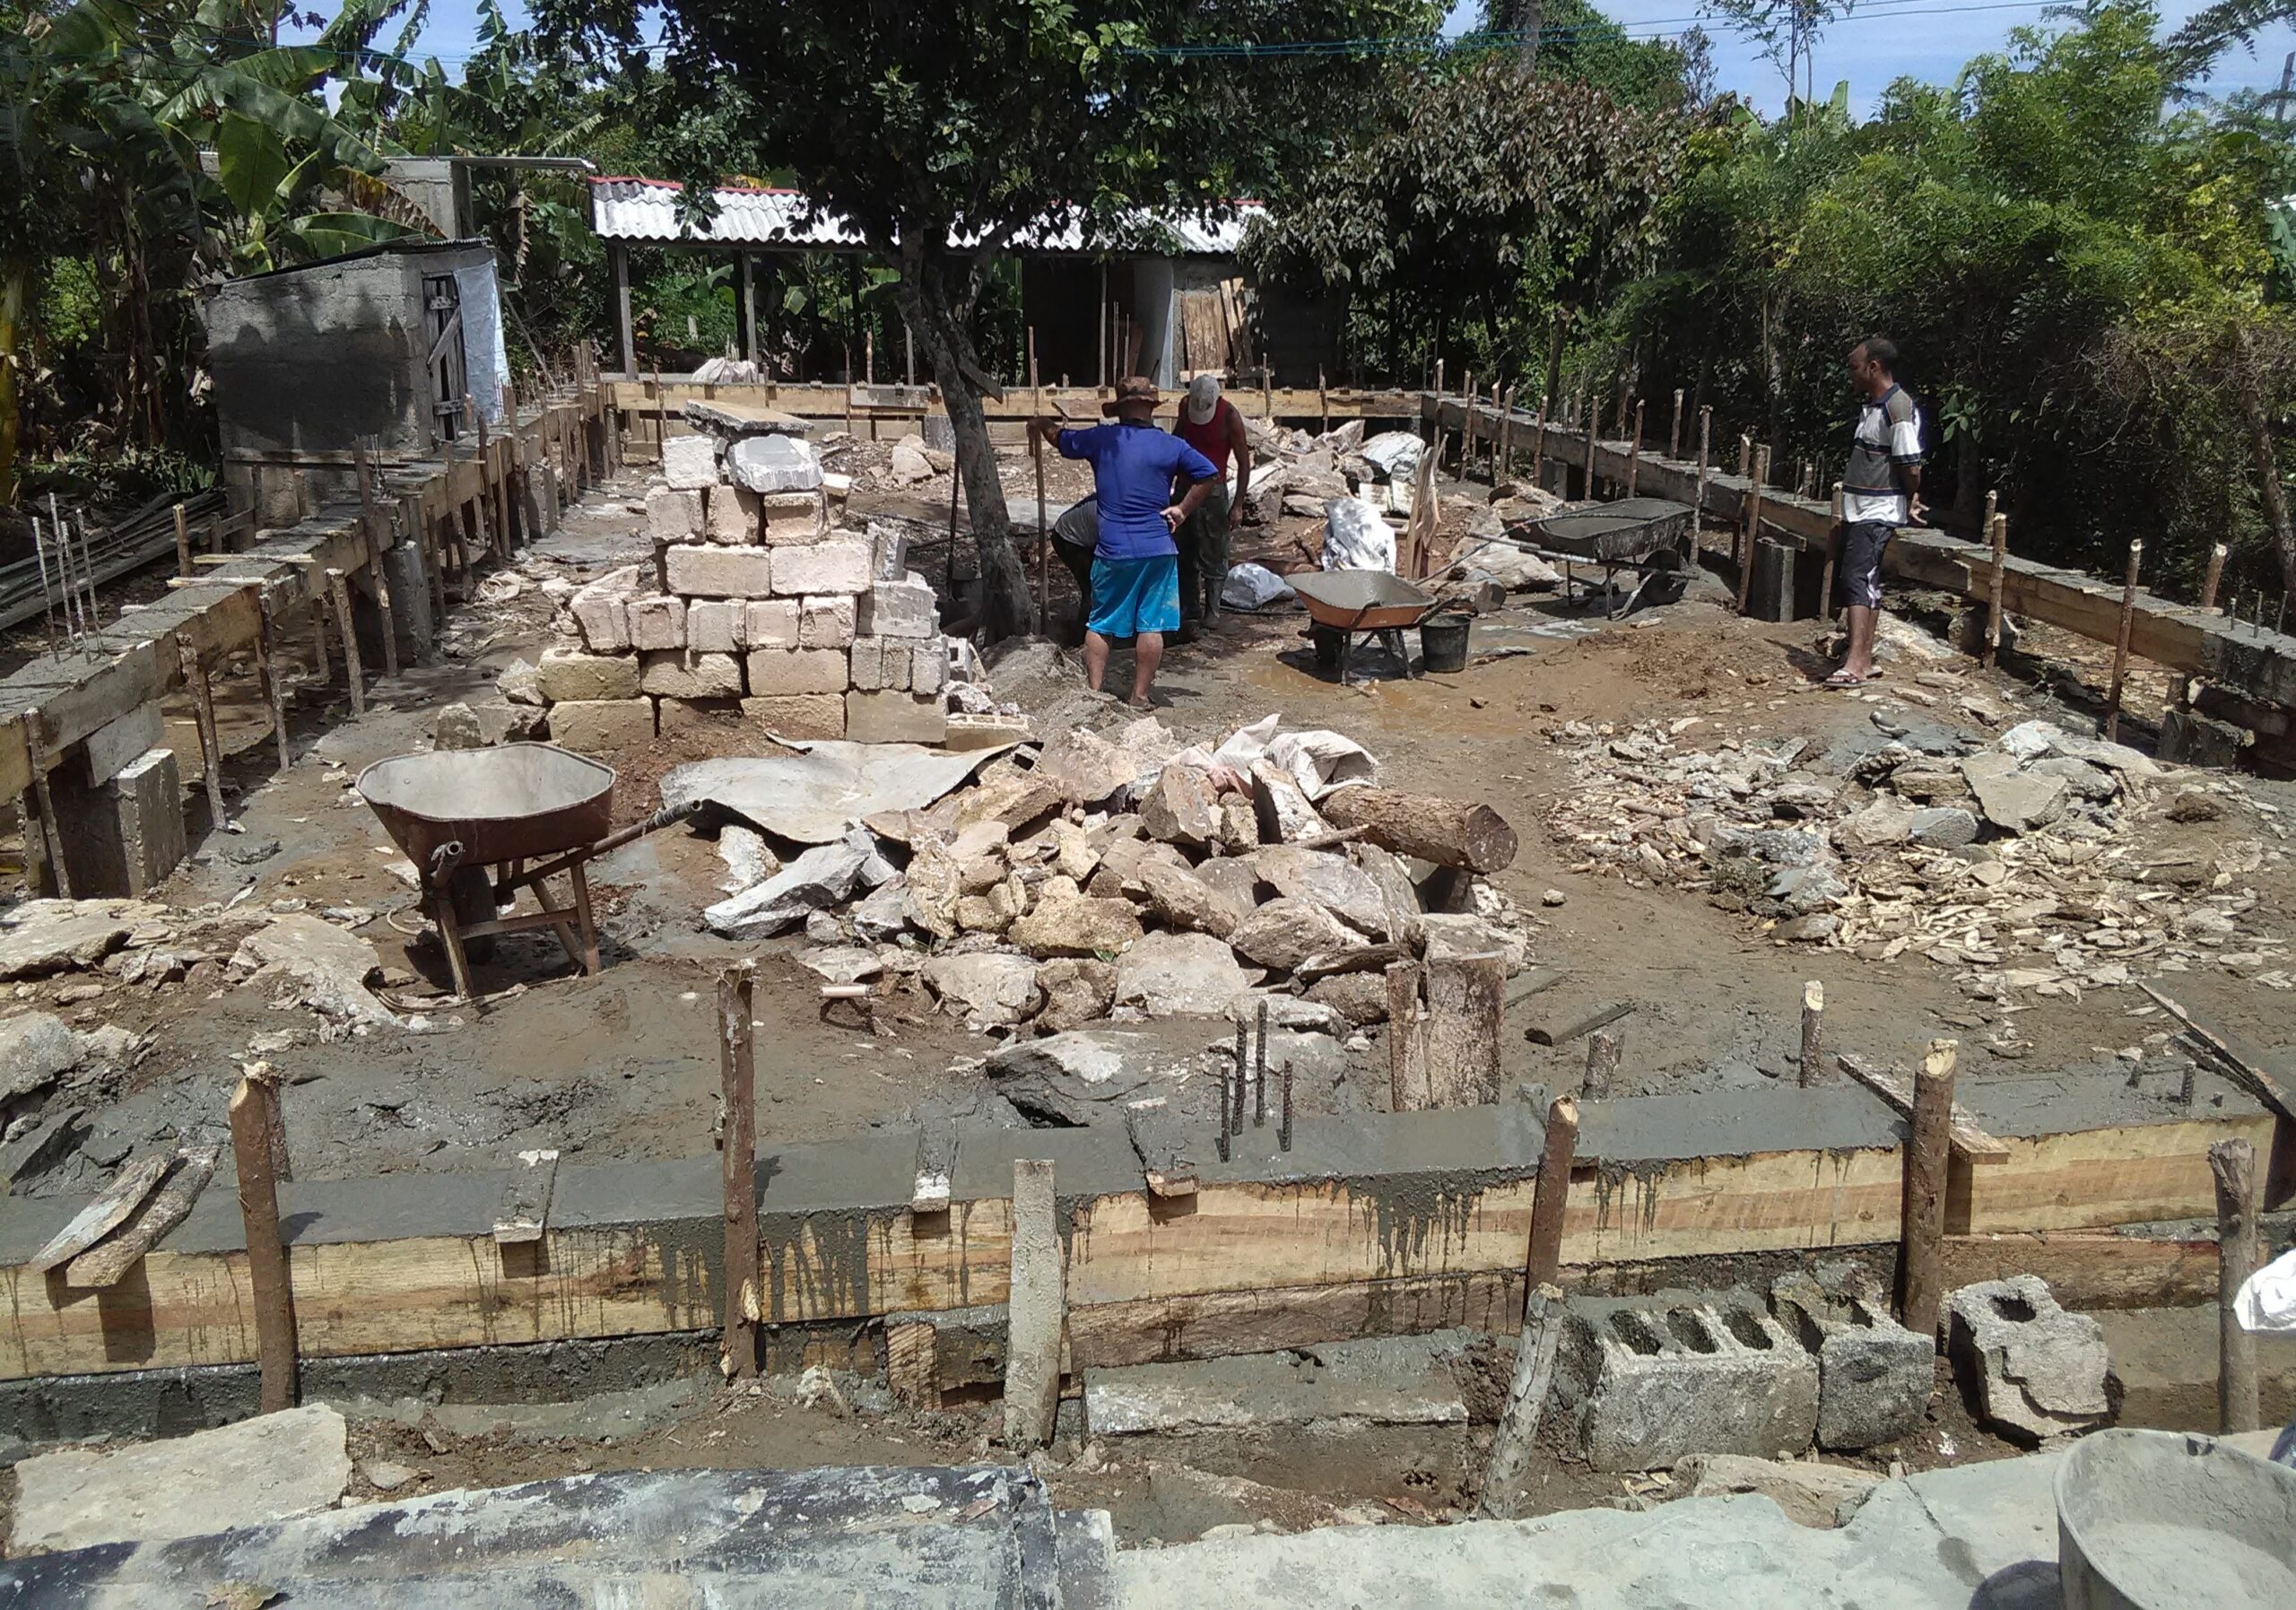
906,608
966,731
409,581
121,839
566,674
888,548
825,622
681,674
708,572
674,516
733,516
690,718
868,658
838,565
928,667
718,626
1875,1376
602,611
114,744
890,717
775,463
893,667
798,714
2038,1370
774,671
1641,1384
656,621
689,463
602,726
772,623
791,518
2189,738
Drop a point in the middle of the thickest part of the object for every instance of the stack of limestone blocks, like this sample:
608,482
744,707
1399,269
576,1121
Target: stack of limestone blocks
759,605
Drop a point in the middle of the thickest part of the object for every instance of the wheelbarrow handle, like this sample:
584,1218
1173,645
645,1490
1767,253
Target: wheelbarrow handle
665,817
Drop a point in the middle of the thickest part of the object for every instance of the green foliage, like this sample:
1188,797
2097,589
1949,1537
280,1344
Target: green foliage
1578,41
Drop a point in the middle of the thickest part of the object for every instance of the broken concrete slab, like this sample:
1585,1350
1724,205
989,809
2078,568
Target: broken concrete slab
35,1046
43,936
2013,800
258,1471
1080,925
1812,1493
1387,1380
323,966
1171,975
823,876
2038,1370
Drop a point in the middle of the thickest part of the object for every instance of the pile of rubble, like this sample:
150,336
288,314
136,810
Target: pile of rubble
2019,863
758,604
1124,877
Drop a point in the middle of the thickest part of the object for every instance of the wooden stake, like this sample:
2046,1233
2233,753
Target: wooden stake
1833,557
1518,1422
1538,442
661,417
1634,450
1592,410
737,1072
1602,1062
341,595
389,621
211,746
1814,1033
2120,643
1466,423
183,543
2233,1165
1544,1259
1044,540
1674,430
1698,514
1503,468
266,665
1753,527
51,834
1745,454
1323,399
255,1122
2215,576
1035,1309
1927,1156
1998,528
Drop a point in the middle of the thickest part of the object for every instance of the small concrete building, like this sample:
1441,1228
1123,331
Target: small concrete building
387,343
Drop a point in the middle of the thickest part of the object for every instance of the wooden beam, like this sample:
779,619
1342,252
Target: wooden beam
1970,1143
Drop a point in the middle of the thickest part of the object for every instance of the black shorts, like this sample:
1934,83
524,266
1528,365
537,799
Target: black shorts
1862,542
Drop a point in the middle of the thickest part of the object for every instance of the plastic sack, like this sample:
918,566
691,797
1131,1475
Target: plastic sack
1356,538
2266,1302
1253,587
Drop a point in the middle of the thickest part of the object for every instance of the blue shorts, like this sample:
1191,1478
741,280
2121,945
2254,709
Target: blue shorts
1133,596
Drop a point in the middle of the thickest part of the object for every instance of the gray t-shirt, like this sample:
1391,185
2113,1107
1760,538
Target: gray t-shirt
1079,524
1888,434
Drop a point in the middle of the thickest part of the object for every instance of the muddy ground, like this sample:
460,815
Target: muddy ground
624,1065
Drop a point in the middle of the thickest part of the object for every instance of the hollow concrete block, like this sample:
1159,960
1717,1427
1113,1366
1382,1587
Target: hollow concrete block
1642,1384
1875,1376
2037,1370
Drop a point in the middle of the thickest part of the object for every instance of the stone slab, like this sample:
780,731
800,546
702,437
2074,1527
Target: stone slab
689,463
771,623
601,725
841,565
259,1470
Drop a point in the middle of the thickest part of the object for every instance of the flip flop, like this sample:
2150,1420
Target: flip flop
1846,679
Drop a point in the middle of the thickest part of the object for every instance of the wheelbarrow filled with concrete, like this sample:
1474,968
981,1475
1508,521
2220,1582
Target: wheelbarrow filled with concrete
1342,604
472,820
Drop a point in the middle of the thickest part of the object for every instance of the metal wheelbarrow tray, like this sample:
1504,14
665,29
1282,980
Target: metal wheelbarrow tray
1620,533
1344,603
459,812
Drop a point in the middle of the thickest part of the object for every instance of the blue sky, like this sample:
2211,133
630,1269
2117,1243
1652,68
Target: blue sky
1880,41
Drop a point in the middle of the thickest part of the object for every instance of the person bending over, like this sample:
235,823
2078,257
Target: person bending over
1136,565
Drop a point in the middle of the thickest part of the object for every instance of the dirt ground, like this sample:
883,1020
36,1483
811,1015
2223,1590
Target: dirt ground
624,1065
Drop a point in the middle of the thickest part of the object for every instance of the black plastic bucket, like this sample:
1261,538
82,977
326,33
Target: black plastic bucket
1328,641
1443,642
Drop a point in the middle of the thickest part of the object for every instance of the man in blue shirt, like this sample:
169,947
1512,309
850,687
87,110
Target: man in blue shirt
1136,564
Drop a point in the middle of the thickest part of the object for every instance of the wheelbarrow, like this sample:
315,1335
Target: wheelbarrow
472,819
1344,603
1645,534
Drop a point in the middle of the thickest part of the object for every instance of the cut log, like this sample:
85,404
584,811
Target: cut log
1442,830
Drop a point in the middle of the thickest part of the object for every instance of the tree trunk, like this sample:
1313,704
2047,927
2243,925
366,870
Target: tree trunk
1445,832
1529,16
937,311
2269,491
12,281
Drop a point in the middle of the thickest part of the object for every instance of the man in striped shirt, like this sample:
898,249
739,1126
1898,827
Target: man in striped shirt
1881,491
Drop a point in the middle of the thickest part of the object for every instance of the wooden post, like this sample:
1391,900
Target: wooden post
1602,1063
1466,422
1752,526
1544,1256
661,416
625,342
1503,467
1044,539
1592,410
341,595
211,747
1698,514
266,662
256,1125
1518,1422
2120,643
2209,583
1538,441
51,834
1323,399
1634,451
2233,1165
367,508
1929,1153
1745,454
1035,1309
183,543
1814,1033
737,1071
1407,1083
1833,557
1997,530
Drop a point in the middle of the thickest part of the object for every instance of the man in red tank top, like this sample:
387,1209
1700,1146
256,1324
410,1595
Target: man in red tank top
1209,423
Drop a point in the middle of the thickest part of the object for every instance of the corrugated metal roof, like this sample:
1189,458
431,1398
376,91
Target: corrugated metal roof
646,208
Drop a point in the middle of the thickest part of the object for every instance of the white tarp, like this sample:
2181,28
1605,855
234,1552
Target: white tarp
815,794
1319,760
1356,538
486,363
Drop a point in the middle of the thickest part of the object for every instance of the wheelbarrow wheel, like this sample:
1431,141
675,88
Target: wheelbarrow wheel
471,892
